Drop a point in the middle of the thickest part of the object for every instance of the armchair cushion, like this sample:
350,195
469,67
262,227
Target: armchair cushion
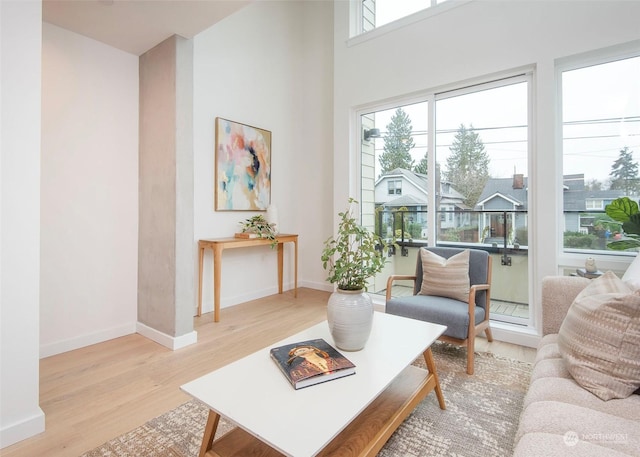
445,277
600,338
440,310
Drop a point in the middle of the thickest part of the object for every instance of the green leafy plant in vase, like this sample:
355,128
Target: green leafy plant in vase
354,255
351,257
259,226
626,211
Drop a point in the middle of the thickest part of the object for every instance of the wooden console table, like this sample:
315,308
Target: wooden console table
220,244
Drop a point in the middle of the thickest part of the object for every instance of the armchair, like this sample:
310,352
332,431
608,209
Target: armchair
464,320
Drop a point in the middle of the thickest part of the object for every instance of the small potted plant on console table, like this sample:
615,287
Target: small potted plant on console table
258,227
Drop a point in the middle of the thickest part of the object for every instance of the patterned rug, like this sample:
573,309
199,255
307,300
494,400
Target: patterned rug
480,420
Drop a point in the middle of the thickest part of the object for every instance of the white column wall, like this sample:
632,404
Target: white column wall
20,69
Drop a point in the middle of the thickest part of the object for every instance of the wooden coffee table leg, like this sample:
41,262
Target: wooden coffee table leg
431,365
209,433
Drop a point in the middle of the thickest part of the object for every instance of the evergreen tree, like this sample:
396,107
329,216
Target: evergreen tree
422,166
468,165
397,143
624,173
593,184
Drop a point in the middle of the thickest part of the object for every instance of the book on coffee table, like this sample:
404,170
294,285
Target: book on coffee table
310,362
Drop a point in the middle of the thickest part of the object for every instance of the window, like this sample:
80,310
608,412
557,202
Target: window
486,211
594,203
482,152
376,13
395,187
601,147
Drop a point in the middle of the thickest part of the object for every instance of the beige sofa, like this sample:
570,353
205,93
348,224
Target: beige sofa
559,417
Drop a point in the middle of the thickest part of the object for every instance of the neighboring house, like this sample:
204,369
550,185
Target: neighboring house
578,202
506,196
403,188
510,195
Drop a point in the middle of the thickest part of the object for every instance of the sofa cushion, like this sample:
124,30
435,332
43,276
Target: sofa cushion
581,424
550,368
632,275
600,338
553,445
445,277
566,390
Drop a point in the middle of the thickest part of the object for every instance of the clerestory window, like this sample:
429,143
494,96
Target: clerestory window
372,14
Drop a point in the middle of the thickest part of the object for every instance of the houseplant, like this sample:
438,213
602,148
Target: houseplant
625,210
259,226
351,257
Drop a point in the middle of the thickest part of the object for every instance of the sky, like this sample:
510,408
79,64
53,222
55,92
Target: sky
600,108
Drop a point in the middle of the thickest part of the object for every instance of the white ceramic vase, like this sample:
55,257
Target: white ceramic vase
350,316
272,217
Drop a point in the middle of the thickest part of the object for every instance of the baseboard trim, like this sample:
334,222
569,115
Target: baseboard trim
22,430
171,342
58,347
515,334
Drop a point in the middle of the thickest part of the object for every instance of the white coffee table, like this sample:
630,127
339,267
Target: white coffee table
355,414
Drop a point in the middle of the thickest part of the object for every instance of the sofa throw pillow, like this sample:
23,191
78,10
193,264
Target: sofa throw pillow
632,276
599,338
445,277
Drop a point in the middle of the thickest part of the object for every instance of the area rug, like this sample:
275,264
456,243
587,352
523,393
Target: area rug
480,420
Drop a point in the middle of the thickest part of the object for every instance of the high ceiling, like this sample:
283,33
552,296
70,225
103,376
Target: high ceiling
135,26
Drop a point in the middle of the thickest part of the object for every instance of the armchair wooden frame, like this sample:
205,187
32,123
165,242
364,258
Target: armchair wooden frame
474,329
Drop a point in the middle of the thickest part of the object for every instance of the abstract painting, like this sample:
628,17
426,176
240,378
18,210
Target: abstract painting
243,167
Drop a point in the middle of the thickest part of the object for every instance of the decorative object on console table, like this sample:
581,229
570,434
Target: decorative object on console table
243,167
354,256
590,265
272,217
311,362
246,235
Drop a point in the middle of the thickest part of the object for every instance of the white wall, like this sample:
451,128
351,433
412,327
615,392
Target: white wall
89,211
20,69
269,66
476,40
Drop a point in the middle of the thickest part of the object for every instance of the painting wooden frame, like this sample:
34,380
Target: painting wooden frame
242,167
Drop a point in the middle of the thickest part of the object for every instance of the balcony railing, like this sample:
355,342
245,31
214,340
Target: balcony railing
503,234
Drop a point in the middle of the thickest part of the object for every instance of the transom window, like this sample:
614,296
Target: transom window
376,13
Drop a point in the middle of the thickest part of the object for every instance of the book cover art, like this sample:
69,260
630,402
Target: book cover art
310,362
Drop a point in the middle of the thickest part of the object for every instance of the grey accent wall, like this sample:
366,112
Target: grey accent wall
166,249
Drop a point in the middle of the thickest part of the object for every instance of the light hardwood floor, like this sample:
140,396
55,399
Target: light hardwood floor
96,393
